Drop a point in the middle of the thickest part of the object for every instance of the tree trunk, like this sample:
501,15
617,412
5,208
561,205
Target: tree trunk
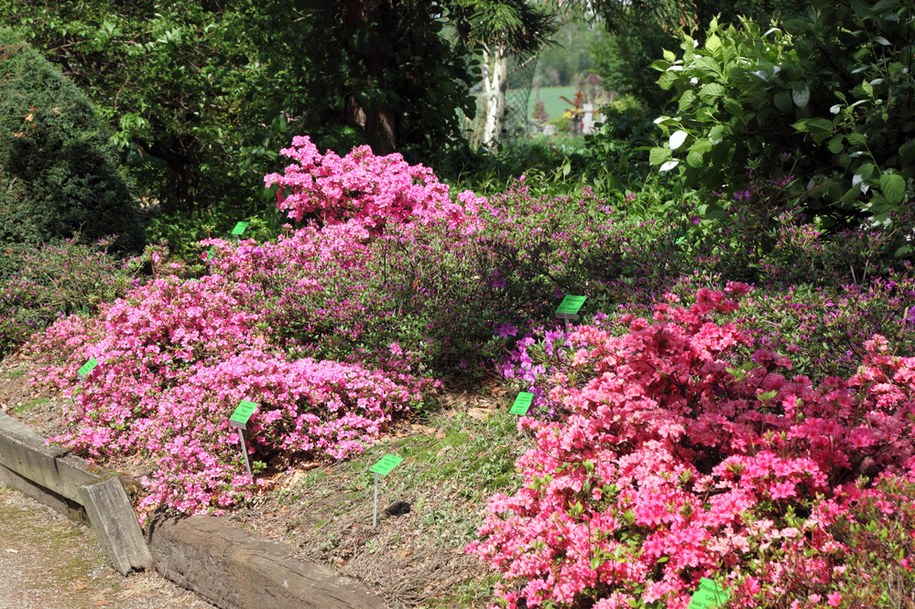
361,19
495,83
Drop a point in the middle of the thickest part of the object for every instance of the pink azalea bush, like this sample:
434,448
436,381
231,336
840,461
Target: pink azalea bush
175,358
669,458
274,323
372,190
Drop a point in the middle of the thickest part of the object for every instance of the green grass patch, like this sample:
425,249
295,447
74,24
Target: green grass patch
552,101
27,406
15,373
452,463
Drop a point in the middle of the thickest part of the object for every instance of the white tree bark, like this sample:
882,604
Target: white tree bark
495,83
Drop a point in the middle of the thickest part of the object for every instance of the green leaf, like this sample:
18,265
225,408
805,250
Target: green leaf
667,80
892,186
669,56
851,195
707,64
686,100
836,144
710,91
716,134
697,151
695,159
734,107
865,170
884,6
713,43
658,155
820,128
907,151
783,101
706,114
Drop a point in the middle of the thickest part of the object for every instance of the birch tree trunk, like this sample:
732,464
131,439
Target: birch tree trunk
495,83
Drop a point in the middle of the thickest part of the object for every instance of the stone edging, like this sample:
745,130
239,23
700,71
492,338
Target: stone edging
227,565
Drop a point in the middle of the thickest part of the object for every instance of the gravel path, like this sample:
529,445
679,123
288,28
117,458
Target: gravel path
47,562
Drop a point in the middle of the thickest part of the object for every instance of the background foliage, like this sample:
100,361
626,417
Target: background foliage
825,100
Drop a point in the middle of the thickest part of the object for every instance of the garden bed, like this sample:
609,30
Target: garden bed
454,459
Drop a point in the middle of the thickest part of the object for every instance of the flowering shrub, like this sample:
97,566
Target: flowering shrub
673,461
175,358
545,247
373,190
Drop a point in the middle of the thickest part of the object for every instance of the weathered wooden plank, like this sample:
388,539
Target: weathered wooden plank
24,452
68,508
115,525
237,571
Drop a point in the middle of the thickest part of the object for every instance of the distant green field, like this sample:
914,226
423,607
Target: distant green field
550,96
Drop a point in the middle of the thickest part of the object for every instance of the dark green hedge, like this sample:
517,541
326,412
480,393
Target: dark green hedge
58,173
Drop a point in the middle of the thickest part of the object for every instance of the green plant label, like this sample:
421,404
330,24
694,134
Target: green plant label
239,229
571,305
211,253
386,464
709,595
242,413
522,403
86,368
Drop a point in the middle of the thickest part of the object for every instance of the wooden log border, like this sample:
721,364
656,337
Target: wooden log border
225,564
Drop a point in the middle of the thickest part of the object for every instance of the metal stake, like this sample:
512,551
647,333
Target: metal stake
244,451
375,506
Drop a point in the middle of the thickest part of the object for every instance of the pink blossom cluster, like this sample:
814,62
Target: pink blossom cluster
373,190
175,358
673,457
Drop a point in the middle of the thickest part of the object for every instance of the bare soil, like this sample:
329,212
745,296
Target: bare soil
48,562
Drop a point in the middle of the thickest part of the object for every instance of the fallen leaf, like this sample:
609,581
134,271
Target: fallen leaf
12,551
478,413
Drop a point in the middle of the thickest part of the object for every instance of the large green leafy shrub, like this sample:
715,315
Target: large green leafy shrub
826,98
58,173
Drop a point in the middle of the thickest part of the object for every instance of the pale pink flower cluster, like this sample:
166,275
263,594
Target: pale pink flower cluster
670,461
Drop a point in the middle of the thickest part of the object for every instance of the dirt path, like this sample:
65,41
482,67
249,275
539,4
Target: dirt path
47,562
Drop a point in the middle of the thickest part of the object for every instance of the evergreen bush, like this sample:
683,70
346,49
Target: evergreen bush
58,173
